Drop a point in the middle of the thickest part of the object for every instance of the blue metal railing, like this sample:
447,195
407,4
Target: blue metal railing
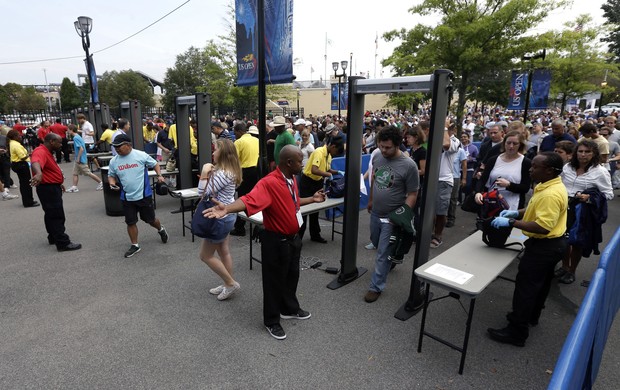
580,358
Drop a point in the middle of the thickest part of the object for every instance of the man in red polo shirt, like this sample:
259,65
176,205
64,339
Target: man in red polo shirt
61,130
43,130
48,179
276,195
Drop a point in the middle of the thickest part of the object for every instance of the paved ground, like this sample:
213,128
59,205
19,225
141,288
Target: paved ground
92,319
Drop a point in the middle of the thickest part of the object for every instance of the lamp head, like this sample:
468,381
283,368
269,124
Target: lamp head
83,25
335,66
344,64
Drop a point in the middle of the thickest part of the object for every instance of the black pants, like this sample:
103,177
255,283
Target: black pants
23,174
50,196
64,150
250,178
534,281
5,171
280,270
307,187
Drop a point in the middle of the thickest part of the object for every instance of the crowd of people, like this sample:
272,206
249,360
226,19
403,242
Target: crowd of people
568,158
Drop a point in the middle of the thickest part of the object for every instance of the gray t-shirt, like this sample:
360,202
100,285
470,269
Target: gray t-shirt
393,180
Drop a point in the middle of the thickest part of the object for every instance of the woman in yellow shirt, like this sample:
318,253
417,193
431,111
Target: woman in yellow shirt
20,165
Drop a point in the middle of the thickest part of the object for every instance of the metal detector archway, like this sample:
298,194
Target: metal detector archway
202,103
133,113
440,85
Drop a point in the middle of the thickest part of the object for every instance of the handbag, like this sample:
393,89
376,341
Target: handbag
215,229
171,165
335,187
469,203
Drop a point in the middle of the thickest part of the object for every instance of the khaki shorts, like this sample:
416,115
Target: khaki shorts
81,169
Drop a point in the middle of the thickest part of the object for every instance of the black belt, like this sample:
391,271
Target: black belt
284,237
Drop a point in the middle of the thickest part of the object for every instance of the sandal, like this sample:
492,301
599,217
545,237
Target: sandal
560,272
436,242
568,278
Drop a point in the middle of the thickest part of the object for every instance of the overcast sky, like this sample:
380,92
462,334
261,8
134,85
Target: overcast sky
43,29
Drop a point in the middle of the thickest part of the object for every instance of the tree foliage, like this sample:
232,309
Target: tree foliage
116,87
70,96
213,70
577,63
30,99
9,96
473,39
611,12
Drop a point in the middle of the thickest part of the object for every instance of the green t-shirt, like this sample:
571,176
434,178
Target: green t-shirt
281,141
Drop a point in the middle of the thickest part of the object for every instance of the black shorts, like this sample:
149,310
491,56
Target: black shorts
142,206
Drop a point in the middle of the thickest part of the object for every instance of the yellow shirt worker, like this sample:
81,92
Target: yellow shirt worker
247,150
544,222
317,168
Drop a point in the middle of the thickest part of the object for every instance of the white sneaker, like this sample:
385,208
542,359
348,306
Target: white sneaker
100,186
9,196
217,290
13,186
370,246
228,291
73,189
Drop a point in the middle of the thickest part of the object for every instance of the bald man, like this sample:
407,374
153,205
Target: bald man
276,195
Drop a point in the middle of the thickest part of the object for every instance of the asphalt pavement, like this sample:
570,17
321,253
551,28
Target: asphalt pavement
93,319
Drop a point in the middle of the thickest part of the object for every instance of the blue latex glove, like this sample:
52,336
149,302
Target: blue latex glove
500,222
509,214
329,178
341,173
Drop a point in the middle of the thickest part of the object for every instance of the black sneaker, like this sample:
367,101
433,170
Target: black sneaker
163,234
300,315
276,331
133,249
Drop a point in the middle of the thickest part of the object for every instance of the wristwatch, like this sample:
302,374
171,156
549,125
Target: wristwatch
511,222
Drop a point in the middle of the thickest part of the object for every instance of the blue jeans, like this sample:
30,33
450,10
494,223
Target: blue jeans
380,236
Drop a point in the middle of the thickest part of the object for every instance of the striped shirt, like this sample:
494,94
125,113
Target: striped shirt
222,184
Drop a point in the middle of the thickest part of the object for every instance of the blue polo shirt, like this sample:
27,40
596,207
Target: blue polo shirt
131,171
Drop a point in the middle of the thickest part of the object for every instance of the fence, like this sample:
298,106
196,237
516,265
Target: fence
580,358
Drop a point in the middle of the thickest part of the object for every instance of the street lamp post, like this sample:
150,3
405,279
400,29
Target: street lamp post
83,27
298,94
600,103
542,55
344,65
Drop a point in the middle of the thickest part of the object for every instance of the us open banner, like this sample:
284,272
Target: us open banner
344,96
278,41
518,88
539,93
92,78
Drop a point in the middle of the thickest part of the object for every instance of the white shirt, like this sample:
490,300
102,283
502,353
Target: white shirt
88,134
596,177
447,161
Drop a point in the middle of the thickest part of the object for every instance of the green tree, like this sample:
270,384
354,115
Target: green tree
611,12
406,101
70,96
187,77
116,87
9,96
472,39
30,99
577,63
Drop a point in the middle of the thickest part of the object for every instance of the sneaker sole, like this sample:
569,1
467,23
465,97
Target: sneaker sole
221,297
131,254
216,290
285,317
164,237
274,336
